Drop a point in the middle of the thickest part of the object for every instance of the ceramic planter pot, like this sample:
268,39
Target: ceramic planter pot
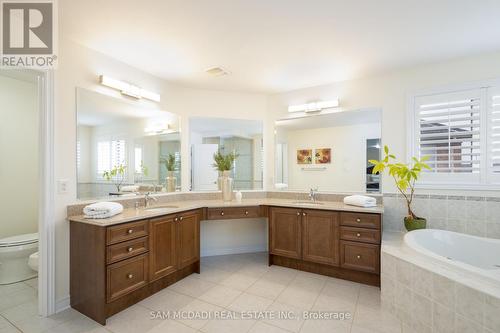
415,223
171,182
227,186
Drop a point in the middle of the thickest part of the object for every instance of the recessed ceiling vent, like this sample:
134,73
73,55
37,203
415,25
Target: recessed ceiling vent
217,71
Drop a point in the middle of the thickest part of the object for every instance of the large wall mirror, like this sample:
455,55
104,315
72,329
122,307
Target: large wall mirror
211,136
125,148
328,152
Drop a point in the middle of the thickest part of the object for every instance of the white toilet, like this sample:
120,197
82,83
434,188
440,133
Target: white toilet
15,252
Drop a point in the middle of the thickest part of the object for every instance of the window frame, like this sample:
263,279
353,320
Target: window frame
486,179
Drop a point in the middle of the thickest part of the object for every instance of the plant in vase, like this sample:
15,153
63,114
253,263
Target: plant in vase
116,175
170,164
224,164
405,176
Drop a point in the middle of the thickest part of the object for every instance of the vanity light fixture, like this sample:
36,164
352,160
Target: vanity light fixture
128,89
314,107
157,129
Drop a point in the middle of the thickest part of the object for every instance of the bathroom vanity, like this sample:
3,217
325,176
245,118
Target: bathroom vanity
119,261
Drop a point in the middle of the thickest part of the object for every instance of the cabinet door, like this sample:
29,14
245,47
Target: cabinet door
188,238
162,247
284,232
320,237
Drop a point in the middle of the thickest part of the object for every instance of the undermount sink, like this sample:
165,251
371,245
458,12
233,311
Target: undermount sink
311,203
160,208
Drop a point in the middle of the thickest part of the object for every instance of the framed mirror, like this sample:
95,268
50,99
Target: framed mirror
125,148
242,138
328,152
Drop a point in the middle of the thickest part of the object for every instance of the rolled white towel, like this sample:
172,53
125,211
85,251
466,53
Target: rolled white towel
360,200
102,210
130,188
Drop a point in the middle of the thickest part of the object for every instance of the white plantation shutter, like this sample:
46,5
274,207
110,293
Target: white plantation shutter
494,134
110,153
117,152
103,156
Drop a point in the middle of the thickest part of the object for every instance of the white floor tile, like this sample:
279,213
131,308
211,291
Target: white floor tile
239,281
203,312
192,286
166,300
220,295
249,302
132,320
261,327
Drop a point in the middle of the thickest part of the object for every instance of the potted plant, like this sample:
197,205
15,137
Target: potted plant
405,176
170,164
224,164
116,175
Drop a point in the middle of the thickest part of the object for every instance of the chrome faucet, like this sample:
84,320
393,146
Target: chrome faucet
312,194
148,198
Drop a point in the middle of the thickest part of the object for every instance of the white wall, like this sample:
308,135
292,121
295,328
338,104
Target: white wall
80,67
18,156
347,170
389,92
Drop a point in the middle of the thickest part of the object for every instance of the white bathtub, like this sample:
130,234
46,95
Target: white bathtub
477,255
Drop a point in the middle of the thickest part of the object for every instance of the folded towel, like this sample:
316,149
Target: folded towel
102,210
130,188
360,200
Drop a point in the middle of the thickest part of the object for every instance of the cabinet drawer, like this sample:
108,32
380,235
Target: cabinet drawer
360,256
361,220
126,250
233,213
126,276
126,231
360,235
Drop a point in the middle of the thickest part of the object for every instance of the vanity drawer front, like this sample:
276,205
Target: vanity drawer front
127,249
126,231
360,235
126,276
360,256
361,220
233,213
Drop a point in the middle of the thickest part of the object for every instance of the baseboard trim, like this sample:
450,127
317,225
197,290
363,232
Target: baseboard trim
233,250
62,304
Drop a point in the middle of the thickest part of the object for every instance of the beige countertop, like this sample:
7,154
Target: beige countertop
135,214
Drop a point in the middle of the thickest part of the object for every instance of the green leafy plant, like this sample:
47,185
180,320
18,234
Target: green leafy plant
116,174
169,162
224,162
404,175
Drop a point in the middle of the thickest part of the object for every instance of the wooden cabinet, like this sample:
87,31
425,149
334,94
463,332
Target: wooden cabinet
114,267
320,236
175,243
233,213
188,238
340,244
285,232
163,247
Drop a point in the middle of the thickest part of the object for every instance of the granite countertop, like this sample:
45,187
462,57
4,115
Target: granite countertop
135,214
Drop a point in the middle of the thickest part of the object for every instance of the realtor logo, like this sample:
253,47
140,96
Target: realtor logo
28,31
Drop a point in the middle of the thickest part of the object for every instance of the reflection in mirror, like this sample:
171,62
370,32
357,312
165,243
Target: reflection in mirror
328,152
242,137
124,148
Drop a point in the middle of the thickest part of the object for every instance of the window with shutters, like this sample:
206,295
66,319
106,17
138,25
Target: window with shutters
459,132
110,153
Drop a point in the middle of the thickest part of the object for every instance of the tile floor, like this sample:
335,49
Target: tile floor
237,283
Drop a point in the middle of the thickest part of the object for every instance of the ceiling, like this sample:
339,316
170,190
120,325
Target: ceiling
280,45
222,127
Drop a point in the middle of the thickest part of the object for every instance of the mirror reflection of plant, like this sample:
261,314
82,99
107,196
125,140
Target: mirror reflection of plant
404,175
224,162
116,175
170,162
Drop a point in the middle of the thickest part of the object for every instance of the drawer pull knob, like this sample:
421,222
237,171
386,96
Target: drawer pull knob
129,231
130,276
304,214
180,218
222,213
358,220
358,235
176,219
130,249
298,213
358,256
246,212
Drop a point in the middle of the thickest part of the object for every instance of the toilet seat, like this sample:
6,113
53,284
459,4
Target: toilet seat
18,240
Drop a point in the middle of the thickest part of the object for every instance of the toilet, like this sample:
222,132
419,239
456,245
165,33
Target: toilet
15,253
